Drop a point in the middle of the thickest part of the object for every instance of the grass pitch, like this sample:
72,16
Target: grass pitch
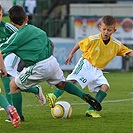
5,19
117,112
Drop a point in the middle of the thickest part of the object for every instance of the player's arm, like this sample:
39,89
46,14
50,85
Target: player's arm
3,72
52,48
125,51
70,56
52,45
130,54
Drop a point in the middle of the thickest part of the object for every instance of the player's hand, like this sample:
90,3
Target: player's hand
3,72
69,59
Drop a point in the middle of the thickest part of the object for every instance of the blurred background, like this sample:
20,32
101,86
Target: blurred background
68,21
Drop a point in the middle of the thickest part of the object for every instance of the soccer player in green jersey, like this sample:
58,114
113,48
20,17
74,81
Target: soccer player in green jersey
12,62
6,30
98,50
34,47
10,110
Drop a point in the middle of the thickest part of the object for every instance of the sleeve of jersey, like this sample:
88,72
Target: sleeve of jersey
50,42
10,45
84,44
123,50
11,28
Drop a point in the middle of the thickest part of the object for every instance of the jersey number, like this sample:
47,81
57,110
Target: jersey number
83,79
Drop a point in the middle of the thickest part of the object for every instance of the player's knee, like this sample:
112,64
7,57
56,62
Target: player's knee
104,87
13,87
73,81
61,85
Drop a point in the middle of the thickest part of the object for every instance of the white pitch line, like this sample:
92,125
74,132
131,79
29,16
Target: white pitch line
109,101
116,101
130,92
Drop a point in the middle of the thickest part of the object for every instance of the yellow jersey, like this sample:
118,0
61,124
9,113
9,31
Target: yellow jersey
99,54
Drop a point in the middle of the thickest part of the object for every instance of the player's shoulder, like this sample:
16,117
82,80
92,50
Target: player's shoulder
11,27
116,41
94,37
2,24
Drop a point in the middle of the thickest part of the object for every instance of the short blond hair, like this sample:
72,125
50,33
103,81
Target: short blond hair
109,20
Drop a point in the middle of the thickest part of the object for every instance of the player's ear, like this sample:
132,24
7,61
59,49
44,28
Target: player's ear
27,19
99,27
115,30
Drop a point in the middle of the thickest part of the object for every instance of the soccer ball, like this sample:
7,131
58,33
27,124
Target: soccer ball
62,109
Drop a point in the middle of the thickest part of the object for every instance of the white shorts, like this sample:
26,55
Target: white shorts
46,70
11,62
87,75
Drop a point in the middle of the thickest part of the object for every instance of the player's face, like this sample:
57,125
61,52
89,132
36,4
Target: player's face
106,31
1,15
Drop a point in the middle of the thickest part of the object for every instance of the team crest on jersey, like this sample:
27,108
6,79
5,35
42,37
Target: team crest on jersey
97,49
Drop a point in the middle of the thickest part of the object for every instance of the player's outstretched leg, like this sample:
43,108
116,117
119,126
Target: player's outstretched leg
92,101
72,89
12,112
51,98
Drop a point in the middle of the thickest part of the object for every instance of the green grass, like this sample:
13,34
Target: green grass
5,19
117,112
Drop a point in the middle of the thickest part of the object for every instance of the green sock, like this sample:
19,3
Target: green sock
6,82
3,102
17,102
72,89
99,96
33,89
57,92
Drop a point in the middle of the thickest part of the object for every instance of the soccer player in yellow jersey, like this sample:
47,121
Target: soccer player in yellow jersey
98,50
